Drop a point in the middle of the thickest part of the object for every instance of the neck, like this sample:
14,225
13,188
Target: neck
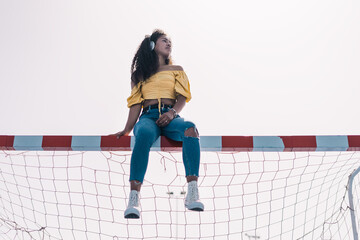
162,61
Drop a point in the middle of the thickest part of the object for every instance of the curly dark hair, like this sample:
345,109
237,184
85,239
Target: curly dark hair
146,62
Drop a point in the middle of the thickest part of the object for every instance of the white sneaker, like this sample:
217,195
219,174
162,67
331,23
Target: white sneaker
192,198
132,211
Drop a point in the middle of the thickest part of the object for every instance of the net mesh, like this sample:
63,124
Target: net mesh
247,195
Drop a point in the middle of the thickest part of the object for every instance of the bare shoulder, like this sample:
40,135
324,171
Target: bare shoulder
177,68
132,84
171,68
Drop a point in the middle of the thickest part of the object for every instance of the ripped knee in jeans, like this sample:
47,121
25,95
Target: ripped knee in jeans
191,132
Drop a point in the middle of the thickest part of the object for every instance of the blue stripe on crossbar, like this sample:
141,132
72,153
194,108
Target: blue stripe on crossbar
332,143
86,143
132,142
268,143
156,145
210,143
28,143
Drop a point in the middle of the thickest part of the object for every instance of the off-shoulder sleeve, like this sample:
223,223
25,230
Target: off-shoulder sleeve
182,85
135,96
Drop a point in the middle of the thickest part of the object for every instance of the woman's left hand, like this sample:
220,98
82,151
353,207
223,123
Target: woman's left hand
165,119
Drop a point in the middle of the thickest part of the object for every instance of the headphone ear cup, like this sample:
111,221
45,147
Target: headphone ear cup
152,45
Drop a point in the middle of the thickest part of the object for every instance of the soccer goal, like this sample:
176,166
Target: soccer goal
260,187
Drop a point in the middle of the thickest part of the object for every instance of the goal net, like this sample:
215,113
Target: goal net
71,187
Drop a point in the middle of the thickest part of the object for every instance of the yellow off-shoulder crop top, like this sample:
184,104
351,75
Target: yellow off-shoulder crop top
163,84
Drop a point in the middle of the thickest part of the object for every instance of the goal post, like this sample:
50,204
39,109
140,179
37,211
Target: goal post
253,187
207,143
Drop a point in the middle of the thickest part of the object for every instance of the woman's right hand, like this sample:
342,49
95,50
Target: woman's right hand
134,113
121,133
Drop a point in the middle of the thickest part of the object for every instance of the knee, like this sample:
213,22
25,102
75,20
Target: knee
191,132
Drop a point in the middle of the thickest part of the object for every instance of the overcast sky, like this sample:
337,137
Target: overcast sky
255,67
259,67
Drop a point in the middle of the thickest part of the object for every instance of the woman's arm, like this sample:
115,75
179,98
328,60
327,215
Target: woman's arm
166,118
180,103
133,116
134,113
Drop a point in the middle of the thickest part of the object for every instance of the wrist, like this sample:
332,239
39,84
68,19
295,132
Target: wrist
127,130
174,112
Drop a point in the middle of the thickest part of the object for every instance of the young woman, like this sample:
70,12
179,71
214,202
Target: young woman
160,90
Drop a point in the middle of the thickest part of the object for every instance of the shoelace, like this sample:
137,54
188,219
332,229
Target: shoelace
193,194
133,202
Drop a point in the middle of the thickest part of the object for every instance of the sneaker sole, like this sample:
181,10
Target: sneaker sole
197,209
195,206
132,213
132,216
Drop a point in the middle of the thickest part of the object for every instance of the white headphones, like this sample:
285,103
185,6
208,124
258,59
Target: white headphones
152,45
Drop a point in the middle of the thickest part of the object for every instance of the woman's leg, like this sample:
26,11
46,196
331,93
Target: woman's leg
146,132
191,150
186,132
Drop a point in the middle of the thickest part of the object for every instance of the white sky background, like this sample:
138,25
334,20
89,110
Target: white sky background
260,67
255,67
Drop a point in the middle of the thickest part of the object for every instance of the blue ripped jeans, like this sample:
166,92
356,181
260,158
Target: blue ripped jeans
146,132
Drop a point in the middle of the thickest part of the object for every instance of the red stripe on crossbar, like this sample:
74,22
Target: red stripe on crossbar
111,143
7,142
237,143
354,143
169,145
299,143
57,143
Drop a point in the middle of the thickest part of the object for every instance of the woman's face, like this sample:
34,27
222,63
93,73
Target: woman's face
163,46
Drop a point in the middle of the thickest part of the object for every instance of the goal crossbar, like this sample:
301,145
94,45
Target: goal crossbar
207,143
